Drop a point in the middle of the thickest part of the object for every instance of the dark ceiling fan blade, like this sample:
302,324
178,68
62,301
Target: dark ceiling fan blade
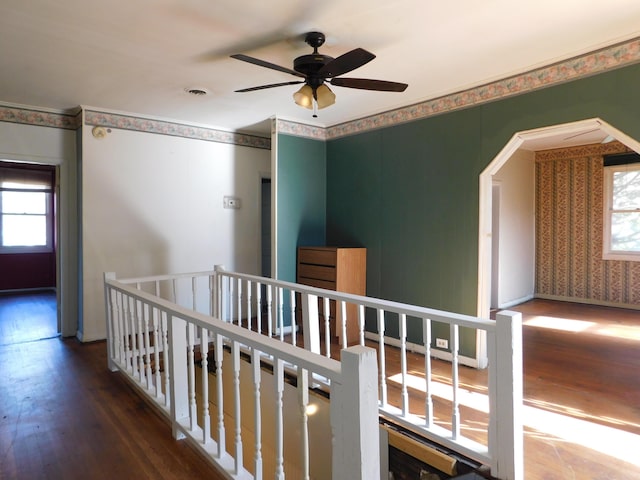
346,62
262,87
262,63
368,84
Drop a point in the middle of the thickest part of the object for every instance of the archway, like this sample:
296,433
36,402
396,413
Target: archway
565,135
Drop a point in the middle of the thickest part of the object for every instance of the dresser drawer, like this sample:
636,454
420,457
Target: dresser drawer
317,256
314,282
319,272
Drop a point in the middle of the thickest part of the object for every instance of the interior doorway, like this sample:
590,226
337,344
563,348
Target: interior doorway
557,136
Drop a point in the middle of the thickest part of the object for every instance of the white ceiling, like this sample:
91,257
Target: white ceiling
139,56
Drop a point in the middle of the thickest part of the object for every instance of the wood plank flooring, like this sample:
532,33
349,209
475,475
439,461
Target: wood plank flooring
581,392
63,415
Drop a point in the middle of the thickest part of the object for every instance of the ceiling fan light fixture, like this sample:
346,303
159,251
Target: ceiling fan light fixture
304,97
324,96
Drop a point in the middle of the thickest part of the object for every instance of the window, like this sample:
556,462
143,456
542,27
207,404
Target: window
26,210
622,212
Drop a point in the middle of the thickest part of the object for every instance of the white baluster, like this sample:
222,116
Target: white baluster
219,355
280,312
140,342
426,334
259,306
157,288
455,413
255,367
212,295
381,356
278,373
127,334
361,323
165,357
121,333
270,309
193,412
206,420
239,302
343,323
303,403
249,299
327,328
194,294
404,395
174,290
112,320
235,350
147,345
156,350
292,304
231,298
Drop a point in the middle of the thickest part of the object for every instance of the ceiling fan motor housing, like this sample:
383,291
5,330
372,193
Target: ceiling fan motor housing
309,65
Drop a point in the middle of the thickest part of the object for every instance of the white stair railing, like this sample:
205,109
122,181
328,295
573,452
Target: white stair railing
428,406
210,376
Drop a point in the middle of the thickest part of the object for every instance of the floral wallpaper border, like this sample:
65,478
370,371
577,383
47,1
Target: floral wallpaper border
299,129
128,122
28,116
616,56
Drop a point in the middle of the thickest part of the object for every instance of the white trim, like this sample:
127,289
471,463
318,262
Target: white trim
607,212
274,197
515,302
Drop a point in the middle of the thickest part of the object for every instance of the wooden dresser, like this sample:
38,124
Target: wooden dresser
336,268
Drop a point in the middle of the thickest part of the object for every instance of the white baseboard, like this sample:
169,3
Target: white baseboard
513,303
588,301
417,348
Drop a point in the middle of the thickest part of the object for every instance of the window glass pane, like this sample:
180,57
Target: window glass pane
625,231
24,230
626,190
24,202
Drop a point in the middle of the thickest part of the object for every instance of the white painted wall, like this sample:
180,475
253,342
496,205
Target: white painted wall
516,270
53,146
152,204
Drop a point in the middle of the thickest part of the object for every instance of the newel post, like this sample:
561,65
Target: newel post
354,416
112,322
178,375
506,442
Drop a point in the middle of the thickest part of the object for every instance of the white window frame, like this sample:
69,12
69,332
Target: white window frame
607,252
48,248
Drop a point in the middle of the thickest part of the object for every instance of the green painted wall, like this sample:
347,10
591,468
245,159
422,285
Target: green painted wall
301,184
409,193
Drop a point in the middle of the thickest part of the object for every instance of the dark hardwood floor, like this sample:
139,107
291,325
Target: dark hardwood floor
63,415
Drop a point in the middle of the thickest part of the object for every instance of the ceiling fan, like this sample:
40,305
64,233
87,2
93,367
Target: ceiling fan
317,69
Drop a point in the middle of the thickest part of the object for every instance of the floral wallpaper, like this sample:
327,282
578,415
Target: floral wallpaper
569,224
